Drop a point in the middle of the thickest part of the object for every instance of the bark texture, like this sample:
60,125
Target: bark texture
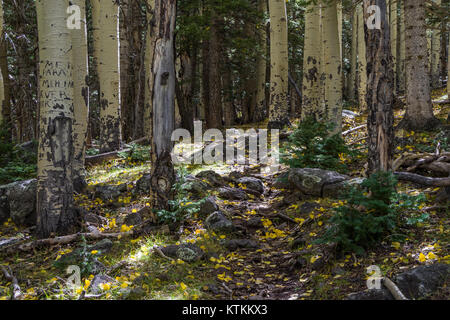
419,110
55,212
105,19
380,120
279,71
163,102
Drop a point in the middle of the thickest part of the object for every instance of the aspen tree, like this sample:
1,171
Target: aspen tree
401,72
380,121
435,54
55,212
163,102
2,85
393,19
278,109
419,110
354,57
81,94
332,66
105,21
362,64
261,68
148,60
311,64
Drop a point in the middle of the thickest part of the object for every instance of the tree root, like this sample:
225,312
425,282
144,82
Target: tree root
422,180
393,289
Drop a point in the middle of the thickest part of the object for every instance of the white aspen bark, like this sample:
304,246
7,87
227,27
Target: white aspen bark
362,63
55,214
105,20
312,53
354,58
148,70
261,65
332,66
278,110
401,72
81,95
393,18
435,54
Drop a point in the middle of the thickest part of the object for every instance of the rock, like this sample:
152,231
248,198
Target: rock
334,190
196,186
22,202
422,281
208,207
212,177
252,183
110,192
143,185
235,244
293,197
235,175
232,194
281,181
4,205
308,207
94,219
372,294
218,222
313,181
133,219
254,223
187,252
98,280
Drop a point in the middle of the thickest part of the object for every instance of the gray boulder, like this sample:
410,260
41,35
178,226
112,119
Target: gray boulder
143,185
235,244
98,281
313,182
208,207
232,194
252,183
372,294
110,192
196,186
212,177
422,281
218,222
187,252
22,201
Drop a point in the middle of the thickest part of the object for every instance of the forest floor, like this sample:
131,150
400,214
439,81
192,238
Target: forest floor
279,262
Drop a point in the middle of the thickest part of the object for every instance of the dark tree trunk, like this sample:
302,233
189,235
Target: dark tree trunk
379,96
163,103
214,111
185,89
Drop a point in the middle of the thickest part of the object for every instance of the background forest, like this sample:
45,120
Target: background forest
92,206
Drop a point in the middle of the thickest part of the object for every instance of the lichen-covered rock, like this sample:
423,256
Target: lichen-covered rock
109,193
208,206
212,177
422,281
187,252
195,186
98,281
232,194
143,185
252,183
218,222
22,202
313,181
372,294
235,244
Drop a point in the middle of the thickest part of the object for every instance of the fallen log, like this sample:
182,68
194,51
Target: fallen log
99,158
354,129
422,180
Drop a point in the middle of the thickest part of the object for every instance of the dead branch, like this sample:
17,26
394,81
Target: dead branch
354,129
159,252
16,288
422,180
393,289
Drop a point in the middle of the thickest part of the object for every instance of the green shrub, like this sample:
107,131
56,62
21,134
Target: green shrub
137,153
181,207
15,163
312,145
369,213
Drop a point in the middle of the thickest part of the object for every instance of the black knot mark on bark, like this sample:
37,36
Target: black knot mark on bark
165,78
